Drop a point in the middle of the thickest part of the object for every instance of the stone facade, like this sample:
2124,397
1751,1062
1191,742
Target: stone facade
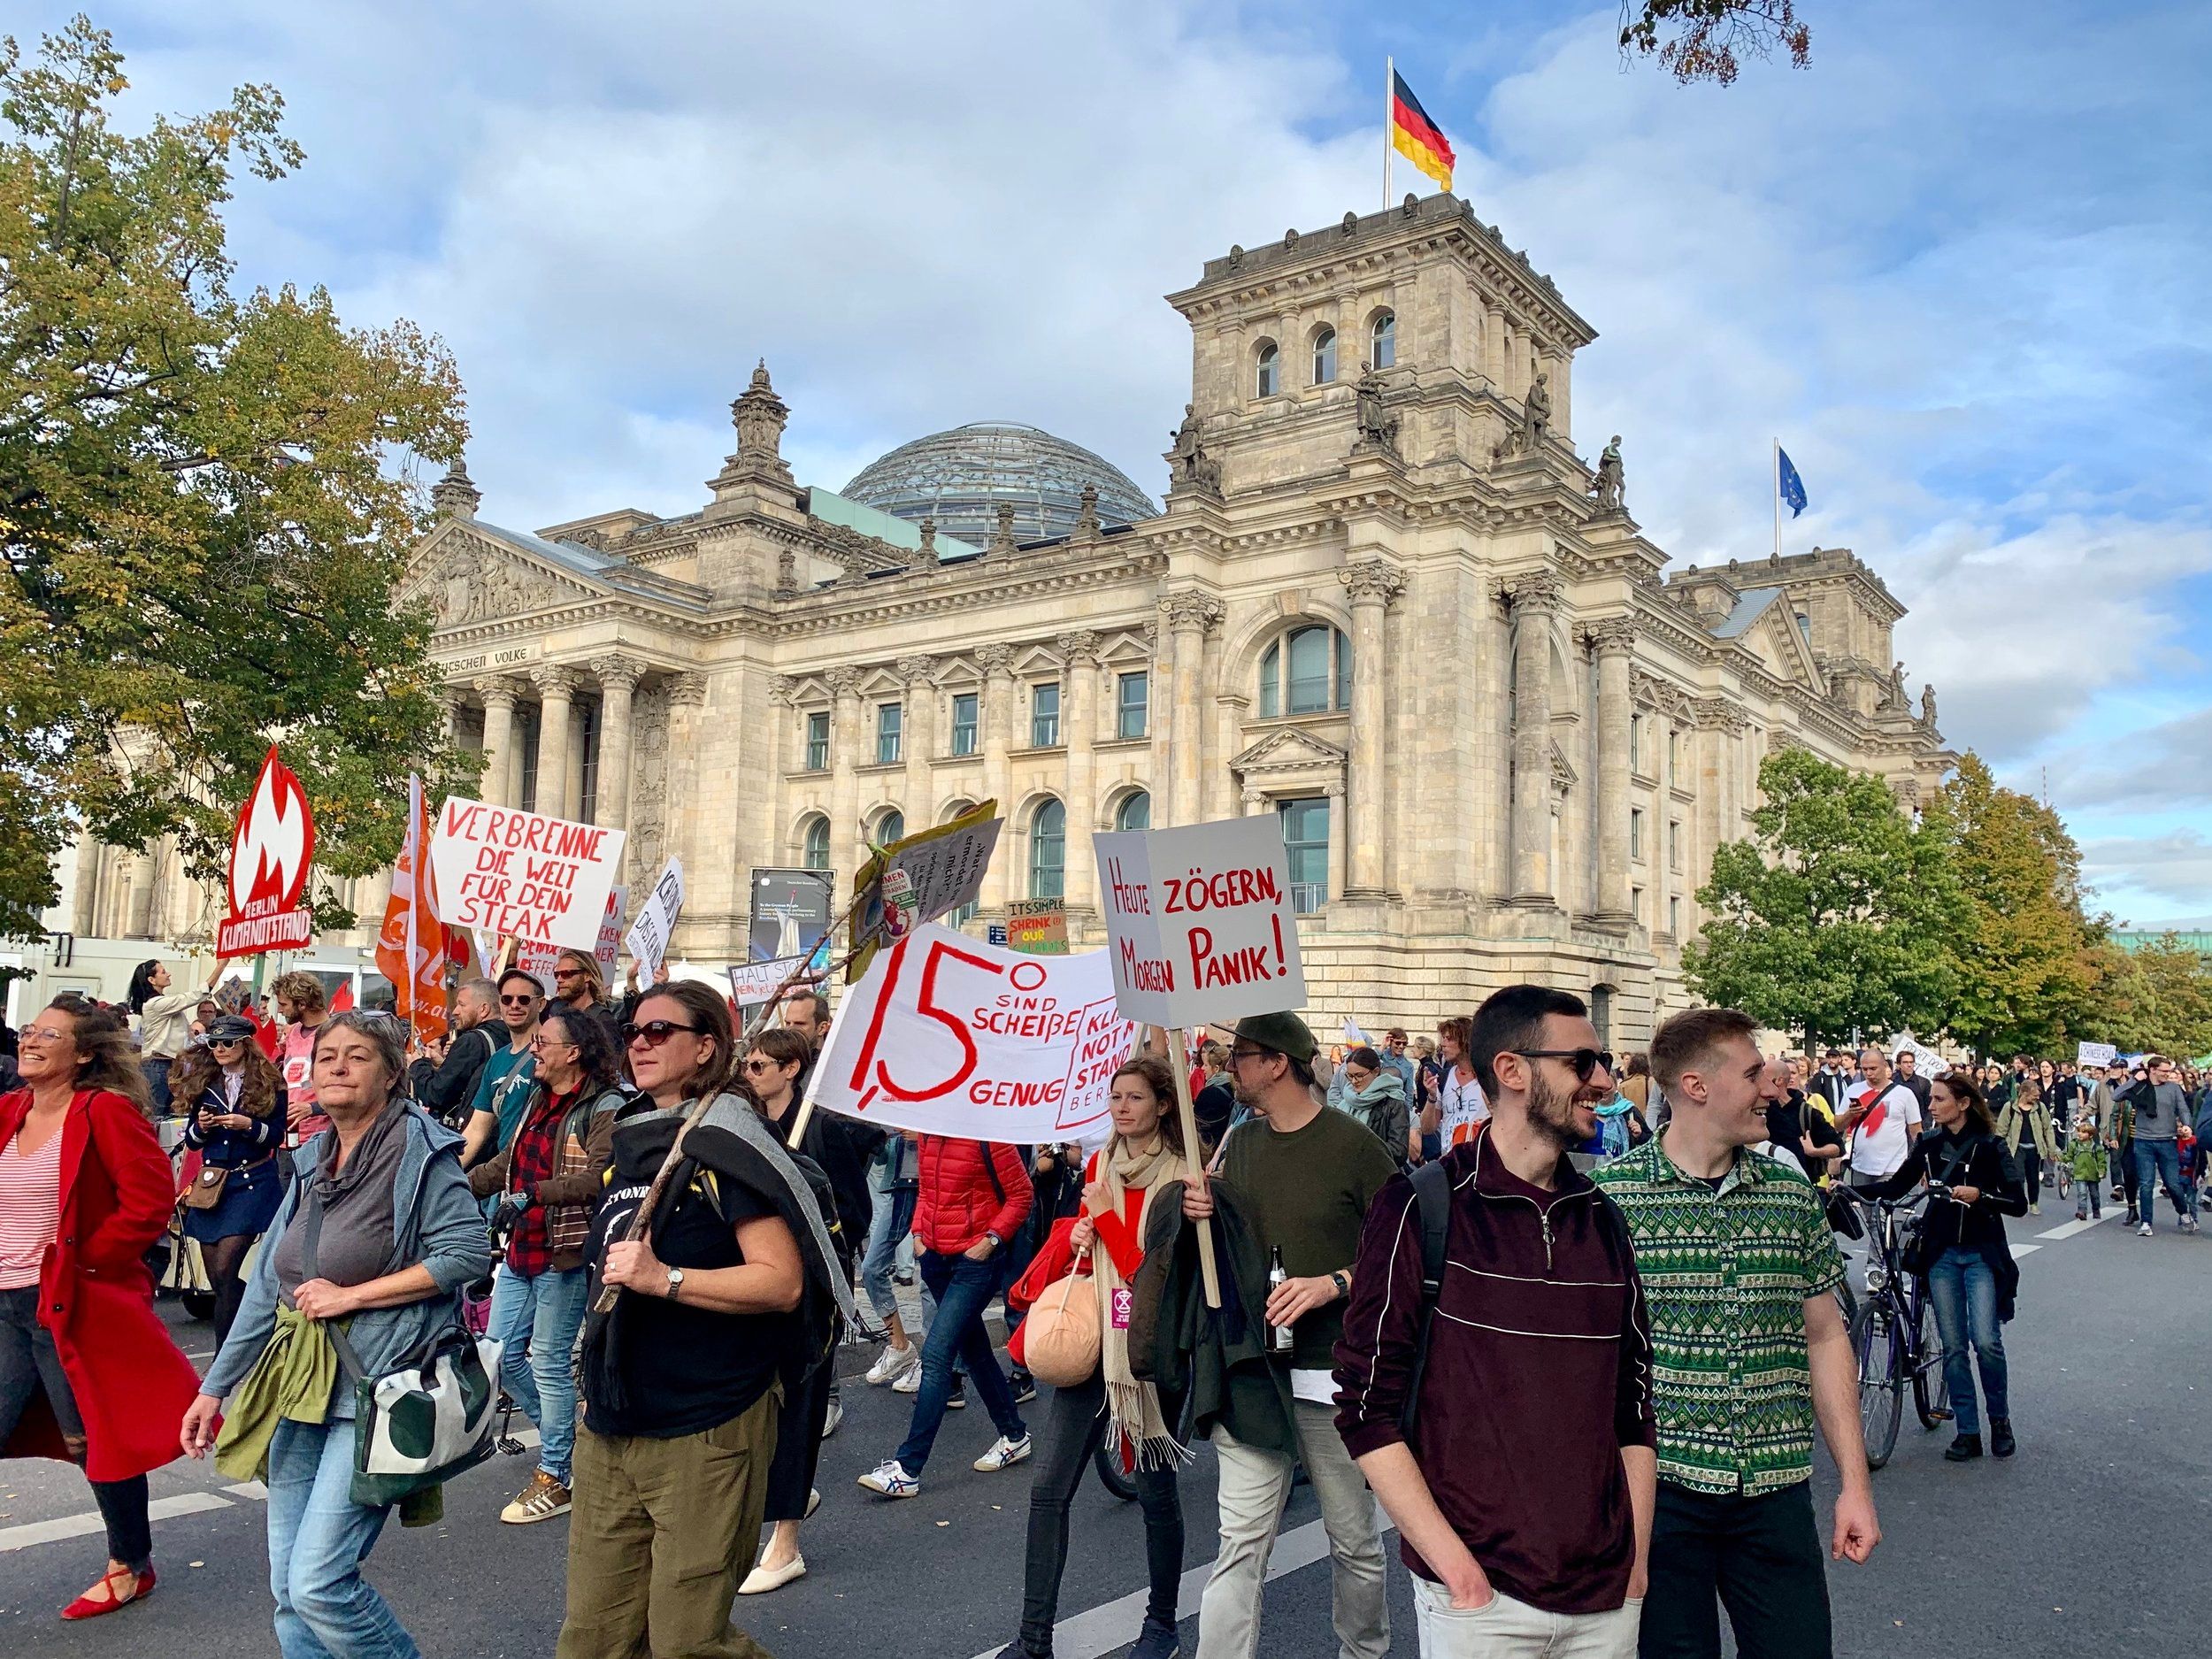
1523,742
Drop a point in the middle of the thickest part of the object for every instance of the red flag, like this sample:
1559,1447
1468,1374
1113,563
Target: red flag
343,999
413,946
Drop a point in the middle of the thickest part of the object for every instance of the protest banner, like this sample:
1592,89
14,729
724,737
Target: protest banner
944,1036
414,947
524,875
538,959
753,983
1037,928
646,941
270,849
945,866
2096,1054
1199,921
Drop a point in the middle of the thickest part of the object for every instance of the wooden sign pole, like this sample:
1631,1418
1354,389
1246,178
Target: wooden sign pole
1179,1063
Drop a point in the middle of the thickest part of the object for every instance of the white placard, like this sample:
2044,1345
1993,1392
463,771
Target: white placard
524,874
538,959
647,938
944,1036
2096,1054
753,983
1199,923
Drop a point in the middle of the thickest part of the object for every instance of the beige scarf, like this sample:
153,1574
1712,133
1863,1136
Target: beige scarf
1133,1406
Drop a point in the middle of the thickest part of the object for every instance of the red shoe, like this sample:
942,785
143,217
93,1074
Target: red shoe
141,1585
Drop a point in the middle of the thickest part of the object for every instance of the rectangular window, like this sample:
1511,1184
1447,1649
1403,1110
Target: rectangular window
1636,833
587,808
1636,902
1132,695
964,709
817,742
1044,716
1306,841
887,725
1674,916
1635,742
530,734
1674,845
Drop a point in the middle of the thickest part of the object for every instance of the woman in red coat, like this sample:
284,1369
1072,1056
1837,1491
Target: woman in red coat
88,1372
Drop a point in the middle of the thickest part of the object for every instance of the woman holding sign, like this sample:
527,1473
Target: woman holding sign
1145,1154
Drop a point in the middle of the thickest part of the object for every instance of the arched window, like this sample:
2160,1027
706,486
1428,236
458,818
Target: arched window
815,844
1048,851
1382,341
889,827
1134,813
1323,356
1306,671
1267,378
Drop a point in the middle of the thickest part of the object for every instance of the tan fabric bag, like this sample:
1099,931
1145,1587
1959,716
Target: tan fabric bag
1060,1335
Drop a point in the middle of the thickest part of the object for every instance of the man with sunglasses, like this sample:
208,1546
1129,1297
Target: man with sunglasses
1528,1499
1752,1353
504,1088
449,1093
1305,1177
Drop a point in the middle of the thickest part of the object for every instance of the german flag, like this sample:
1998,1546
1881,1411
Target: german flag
1416,137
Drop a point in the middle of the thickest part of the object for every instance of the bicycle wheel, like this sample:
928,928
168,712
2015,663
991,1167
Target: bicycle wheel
1107,1460
1874,1340
1930,1383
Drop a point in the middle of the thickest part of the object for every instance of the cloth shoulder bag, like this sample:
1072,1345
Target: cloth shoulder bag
206,1190
1061,1336
418,1426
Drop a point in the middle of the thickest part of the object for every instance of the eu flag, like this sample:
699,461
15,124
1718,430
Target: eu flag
1786,480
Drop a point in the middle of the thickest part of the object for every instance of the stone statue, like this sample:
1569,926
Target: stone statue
1188,464
1609,486
1897,694
1535,416
1927,704
1377,425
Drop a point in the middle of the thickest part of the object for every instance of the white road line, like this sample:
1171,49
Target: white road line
1115,1624
80,1525
2073,1228
2019,1250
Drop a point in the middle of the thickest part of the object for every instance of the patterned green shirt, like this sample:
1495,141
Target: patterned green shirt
1728,1274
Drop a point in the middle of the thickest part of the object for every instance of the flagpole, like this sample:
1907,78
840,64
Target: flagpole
1775,481
1390,83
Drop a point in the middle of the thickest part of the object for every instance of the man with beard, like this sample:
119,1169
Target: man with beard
1529,1498
1306,1177
1741,1270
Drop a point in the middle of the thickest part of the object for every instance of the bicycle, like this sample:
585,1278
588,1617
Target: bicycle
1894,1331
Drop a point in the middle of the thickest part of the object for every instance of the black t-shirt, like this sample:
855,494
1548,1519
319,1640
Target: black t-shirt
664,1368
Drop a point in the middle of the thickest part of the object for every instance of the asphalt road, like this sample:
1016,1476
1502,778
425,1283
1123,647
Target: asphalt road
2088,1541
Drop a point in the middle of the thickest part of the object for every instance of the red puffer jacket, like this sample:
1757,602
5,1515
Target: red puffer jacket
957,1204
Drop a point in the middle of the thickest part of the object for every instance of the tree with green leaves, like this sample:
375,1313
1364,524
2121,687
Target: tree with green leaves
2024,972
1707,40
205,497
2156,996
1837,916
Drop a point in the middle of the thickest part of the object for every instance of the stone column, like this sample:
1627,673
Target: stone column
578,757
1078,724
846,738
499,740
557,686
917,740
687,703
1536,598
1372,584
617,683
1614,640
1493,347
1255,803
997,663
1339,838
1229,707
1189,617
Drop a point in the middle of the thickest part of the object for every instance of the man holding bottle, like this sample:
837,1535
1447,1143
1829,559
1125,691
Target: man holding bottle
1305,1175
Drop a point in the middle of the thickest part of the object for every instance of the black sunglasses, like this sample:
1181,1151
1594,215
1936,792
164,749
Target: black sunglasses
653,1032
1585,1061
523,1000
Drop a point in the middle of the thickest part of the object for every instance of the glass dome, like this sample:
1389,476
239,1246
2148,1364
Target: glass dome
960,476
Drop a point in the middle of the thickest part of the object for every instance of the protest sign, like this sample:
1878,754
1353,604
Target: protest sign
1037,928
753,983
523,874
2096,1054
271,849
538,959
414,947
945,866
647,938
944,1036
1199,922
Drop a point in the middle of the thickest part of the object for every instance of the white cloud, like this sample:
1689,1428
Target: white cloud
2173,870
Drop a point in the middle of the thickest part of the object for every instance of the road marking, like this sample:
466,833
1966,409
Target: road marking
32,1532
2019,1250
1103,1629
2074,1227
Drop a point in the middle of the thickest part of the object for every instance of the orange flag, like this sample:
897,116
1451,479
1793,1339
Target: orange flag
413,948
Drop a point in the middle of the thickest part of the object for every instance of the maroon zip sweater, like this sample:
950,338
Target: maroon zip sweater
1539,1372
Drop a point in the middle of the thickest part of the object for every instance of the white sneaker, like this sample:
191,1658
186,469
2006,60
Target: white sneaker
894,1364
910,1380
2143,1232
891,1479
1004,1454
836,1415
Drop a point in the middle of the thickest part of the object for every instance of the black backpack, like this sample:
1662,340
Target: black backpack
1433,1192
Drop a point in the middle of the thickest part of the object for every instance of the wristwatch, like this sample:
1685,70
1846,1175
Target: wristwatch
1343,1285
997,1243
675,1282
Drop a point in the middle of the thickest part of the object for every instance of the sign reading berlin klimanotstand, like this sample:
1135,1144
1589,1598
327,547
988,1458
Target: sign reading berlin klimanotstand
270,851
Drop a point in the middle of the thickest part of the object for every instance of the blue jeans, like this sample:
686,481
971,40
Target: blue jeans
2161,1159
893,1221
318,1537
1964,1292
963,1289
546,1308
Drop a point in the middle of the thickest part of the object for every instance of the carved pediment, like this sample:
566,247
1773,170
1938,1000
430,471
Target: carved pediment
1294,751
467,577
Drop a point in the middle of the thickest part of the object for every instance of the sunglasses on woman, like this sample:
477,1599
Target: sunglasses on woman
1585,1061
652,1034
756,1068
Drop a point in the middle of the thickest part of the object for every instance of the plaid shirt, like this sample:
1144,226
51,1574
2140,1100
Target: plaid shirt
1727,1275
535,1157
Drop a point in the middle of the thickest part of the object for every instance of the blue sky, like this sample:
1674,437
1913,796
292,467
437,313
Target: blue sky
1958,268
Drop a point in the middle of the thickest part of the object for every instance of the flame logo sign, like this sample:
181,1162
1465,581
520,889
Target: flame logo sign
274,841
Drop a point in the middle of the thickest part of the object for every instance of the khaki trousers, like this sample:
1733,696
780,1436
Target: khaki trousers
661,1534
